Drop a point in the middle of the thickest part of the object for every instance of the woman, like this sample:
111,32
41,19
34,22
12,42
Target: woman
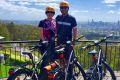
47,29
47,26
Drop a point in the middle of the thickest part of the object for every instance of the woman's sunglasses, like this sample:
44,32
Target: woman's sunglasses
50,12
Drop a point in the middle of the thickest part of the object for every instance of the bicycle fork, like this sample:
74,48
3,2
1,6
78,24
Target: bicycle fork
68,66
99,66
95,71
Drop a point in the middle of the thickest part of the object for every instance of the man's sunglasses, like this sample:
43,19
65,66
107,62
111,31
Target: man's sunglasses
63,7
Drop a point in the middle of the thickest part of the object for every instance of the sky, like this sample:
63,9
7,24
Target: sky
82,10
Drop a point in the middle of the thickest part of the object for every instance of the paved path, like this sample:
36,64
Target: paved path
118,78
117,74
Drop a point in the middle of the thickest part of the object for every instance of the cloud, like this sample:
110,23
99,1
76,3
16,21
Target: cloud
35,0
80,15
84,11
48,0
76,11
110,1
48,4
19,12
118,11
79,11
111,5
114,12
97,8
111,12
24,3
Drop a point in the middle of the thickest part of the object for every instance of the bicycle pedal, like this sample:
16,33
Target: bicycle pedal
90,71
76,74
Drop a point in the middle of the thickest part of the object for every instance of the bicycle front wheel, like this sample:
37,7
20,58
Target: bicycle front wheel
22,74
78,72
107,72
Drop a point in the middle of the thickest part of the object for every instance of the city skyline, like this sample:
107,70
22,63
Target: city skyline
82,10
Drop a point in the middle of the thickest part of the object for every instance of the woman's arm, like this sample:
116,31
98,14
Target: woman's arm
41,33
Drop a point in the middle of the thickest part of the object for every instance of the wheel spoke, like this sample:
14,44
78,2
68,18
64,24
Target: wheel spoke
107,76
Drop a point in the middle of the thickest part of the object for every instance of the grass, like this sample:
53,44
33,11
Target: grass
14,59
4,70
113,58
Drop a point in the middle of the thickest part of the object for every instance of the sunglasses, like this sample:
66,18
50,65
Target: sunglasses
63,7
50,12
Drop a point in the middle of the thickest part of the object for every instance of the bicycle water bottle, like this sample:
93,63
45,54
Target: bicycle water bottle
49,69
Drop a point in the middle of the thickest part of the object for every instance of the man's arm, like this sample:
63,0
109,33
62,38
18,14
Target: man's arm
74,33
74,28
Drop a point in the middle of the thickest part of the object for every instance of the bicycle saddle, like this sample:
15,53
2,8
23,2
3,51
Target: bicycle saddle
28,53
60,50
93,52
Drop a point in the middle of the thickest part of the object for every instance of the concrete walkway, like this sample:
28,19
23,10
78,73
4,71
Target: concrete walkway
117,74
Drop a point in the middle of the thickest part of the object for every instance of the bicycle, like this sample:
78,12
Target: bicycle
99,70
34,74
58,71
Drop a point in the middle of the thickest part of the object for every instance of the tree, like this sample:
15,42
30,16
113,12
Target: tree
11,30
4,31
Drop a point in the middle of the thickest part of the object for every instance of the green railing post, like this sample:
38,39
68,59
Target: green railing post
106,45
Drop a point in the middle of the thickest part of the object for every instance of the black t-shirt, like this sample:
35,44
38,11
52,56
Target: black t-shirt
64,26
49,28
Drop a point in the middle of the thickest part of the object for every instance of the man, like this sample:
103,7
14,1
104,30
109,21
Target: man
66,25
66,28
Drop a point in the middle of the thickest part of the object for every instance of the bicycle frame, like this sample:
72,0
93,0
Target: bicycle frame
98,61
35,65
101,59
34,68
68,64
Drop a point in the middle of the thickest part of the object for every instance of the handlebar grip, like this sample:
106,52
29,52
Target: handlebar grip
109,36
29,54
97,42
26,53
79,38
102,40
36,47
87,46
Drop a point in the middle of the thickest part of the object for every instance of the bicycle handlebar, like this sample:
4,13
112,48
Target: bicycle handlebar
39,45
69,42
97,42
79,38
45,42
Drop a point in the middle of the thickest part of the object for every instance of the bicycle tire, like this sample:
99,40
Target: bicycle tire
79,74
22,72
108,73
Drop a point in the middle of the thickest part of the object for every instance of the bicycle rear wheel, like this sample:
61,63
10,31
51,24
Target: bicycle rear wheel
108,73
78,72
22,74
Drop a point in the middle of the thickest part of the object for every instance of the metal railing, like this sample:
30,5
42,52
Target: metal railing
10,54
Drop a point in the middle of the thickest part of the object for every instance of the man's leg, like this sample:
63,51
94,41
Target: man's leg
70,73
